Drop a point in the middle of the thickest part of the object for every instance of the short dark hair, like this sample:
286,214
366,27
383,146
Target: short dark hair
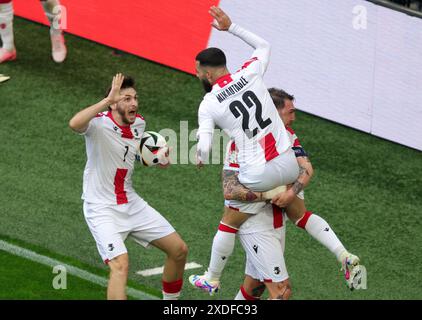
128,82
279,96
211,57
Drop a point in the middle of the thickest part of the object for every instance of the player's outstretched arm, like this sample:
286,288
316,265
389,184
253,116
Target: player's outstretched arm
234,190
204,134
80,121
262,47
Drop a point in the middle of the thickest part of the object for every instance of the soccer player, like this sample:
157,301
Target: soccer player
240,104
112,209
316,226
8,50
263,238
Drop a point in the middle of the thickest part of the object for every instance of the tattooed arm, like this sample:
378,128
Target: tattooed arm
306,172
234,190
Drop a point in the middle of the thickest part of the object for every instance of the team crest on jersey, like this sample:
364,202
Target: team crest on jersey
136,134
277,270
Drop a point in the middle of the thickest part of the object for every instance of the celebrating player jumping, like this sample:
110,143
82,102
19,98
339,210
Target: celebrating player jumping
240,104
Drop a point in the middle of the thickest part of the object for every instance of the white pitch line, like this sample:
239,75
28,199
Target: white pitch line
3,78
159,270
31,255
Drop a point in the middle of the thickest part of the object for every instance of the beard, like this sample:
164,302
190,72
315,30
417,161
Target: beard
122,113
207,85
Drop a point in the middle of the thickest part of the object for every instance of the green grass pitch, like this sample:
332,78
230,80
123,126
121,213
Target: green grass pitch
368,189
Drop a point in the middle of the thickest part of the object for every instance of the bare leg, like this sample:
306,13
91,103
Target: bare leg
174,266
279,290
119,267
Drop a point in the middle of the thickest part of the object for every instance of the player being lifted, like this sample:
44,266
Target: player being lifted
240,104
316,226
236,196
112,208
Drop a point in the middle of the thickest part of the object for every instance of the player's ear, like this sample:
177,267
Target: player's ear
209,76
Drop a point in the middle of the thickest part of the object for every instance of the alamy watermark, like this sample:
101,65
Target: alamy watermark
360,19
60,281
183,145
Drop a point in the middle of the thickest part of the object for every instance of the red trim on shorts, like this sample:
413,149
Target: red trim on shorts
302,222
224,228
233,208
268,280
224,80
277,217
106,261
234,165
119,186
246,295
268,144
172,287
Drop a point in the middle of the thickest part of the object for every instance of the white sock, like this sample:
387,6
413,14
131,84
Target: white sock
222,248
6,26
171,296
239,296
318,228
171,290
53,16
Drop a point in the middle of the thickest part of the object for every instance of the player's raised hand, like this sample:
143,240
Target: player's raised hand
114,96
221,21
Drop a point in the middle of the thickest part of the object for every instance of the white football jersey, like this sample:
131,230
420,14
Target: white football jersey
111,153
231,157
240,104
269,218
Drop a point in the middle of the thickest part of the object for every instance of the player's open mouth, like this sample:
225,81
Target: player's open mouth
132,113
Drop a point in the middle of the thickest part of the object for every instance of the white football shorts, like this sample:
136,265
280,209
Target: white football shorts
110,225
265,255
280,171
